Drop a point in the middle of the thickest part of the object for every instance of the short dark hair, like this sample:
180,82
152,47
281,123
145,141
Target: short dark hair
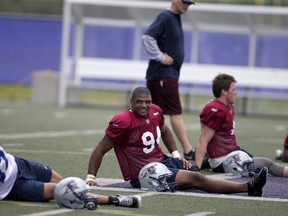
140,90
222,81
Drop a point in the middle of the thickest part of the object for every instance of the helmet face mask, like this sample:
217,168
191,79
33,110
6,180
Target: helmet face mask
156,177
238,163
71,193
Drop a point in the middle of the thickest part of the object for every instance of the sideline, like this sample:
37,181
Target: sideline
52,212
106,182
49,134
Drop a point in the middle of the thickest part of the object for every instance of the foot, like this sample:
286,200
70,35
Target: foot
128,201
191,158
256,184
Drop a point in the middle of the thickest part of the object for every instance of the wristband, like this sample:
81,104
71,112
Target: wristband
175,154
90,178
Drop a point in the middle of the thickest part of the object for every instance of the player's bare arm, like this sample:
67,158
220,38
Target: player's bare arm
170,144
96,157
206,135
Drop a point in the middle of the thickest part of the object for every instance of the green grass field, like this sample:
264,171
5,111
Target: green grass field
64,138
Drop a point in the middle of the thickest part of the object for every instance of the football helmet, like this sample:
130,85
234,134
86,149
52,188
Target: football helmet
71,193
238,163
154,176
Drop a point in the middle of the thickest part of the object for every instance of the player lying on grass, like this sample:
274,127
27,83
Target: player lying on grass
135,135
218,137
25,180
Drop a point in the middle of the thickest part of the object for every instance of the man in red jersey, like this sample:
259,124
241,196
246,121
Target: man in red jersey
135,135
218,130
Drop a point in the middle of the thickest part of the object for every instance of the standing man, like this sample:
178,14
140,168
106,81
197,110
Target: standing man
164,43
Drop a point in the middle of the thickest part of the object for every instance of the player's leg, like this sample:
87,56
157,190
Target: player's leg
51,178
56,177
189,180
118,200
173,108
273,168
49,191
180,132
45,179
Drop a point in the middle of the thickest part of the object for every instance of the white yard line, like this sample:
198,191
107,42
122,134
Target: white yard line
50,134
105,182
201,214
52,212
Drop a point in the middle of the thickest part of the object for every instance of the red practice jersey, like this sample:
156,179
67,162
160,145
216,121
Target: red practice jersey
137,140
219,117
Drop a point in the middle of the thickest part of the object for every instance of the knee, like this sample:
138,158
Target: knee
274,168
260,162
55,178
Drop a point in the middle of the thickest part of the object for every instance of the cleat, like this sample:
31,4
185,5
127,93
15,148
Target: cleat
128,201
191,158
205,163
256,184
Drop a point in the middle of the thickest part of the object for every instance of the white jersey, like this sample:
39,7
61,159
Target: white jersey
8,172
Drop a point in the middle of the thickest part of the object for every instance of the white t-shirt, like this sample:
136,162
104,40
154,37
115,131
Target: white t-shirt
8,172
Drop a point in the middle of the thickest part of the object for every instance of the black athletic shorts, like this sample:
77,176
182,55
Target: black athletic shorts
29,185
165,94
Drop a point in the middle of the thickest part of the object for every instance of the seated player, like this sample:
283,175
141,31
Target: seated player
135,136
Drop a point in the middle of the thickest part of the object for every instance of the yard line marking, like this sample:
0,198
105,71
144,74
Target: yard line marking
201,214
52,212
7,111
178,193
106,182
63,211
119,212
50,134
28,204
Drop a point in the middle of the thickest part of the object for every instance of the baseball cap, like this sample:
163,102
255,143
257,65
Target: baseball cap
189,2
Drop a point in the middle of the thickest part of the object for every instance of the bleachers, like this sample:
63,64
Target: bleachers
195,80
232,35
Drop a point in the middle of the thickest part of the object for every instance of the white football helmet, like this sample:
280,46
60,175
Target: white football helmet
154,176
71,193
238,163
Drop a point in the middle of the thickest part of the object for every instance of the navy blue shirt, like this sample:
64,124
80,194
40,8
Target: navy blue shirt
167,30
